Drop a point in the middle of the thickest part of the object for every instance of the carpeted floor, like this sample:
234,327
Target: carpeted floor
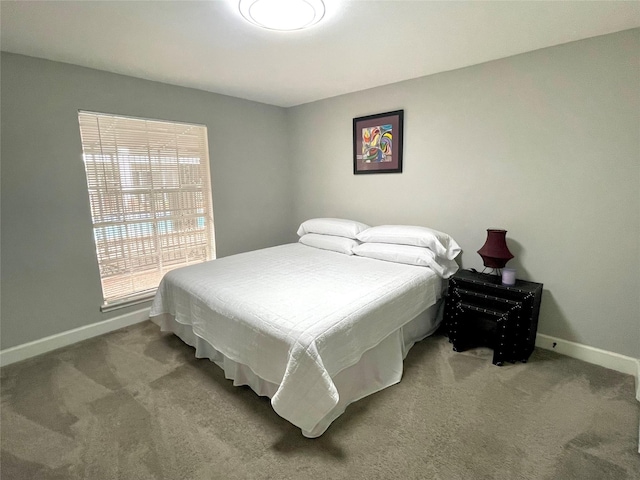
135,404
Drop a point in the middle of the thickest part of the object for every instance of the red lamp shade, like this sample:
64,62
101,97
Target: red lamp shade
494,252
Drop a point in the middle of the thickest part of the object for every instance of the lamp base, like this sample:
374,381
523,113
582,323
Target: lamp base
492,271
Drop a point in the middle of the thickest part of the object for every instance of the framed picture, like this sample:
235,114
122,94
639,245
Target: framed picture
377,143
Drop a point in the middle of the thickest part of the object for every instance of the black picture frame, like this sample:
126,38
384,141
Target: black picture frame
377,143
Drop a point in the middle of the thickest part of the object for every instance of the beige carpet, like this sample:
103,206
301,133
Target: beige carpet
136,404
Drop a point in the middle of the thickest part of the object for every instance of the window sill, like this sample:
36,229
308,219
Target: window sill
127,302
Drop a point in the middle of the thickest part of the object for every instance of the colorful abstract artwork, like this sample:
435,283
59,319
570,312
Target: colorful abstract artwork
377,143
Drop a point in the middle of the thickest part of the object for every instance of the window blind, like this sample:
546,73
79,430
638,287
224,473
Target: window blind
150,198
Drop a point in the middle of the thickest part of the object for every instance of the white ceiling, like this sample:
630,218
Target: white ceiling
359,44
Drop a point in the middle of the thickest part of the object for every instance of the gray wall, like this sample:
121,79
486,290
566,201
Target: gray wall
50,278
544,144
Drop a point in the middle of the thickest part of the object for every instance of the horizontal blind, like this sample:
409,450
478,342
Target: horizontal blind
150,197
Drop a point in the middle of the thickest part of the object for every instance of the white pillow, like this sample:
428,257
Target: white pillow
407,254
442,244
332,226
330,242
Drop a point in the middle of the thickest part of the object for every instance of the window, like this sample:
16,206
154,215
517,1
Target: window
150,197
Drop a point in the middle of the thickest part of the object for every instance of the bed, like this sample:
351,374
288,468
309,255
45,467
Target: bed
313,329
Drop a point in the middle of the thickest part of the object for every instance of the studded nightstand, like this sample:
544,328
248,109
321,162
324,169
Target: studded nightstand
479,310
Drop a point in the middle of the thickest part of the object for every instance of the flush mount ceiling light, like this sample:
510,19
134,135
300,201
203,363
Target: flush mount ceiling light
283,15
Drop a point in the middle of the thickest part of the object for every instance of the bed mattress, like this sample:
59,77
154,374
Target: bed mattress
291,321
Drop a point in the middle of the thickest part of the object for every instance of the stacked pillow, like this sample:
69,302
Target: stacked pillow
335,234
412,245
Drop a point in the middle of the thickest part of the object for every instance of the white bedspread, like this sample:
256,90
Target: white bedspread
296,315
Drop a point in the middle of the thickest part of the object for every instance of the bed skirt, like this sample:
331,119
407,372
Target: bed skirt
378,368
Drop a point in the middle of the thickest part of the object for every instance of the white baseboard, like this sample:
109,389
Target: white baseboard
47,344
597,356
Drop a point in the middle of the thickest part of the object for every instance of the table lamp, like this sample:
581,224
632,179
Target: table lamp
495,253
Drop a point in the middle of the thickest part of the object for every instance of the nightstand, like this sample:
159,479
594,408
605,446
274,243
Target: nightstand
479,310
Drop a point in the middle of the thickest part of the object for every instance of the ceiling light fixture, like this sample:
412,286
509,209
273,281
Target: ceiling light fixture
285,15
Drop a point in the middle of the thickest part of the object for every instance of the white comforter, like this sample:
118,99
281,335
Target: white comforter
296,315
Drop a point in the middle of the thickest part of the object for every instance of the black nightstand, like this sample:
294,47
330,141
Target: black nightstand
479,310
